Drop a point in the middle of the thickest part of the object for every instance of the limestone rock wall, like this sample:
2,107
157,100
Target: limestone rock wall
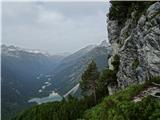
138,45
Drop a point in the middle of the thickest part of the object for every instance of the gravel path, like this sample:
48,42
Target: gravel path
152,90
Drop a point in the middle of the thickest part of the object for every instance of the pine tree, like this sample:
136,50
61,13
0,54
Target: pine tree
89,82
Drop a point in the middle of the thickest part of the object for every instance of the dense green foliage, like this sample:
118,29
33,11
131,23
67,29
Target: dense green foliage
121,10
70,109
121,106
109,76
116,62
89,82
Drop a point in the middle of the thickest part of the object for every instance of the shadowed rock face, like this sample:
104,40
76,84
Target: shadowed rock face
138,45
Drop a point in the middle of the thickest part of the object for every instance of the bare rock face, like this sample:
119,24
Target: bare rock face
138,45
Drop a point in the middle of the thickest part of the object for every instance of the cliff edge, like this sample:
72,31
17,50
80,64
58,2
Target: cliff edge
135,38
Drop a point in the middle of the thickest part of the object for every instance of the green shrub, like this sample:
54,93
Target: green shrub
109,76
120,106
116,62
135,63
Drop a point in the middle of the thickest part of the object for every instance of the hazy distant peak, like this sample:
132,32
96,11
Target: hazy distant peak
64,54
89,47
12,48
104,43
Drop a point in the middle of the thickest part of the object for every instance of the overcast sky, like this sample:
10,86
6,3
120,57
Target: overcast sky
52,26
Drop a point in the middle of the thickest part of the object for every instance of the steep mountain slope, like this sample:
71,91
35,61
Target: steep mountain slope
136,39
69,71
19,71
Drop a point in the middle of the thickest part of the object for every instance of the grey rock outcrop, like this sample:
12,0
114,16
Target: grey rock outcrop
138,45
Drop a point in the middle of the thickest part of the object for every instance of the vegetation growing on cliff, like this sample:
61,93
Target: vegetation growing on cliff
121,10
108,76
135,63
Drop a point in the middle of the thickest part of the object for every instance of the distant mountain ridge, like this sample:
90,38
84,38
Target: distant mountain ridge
11,49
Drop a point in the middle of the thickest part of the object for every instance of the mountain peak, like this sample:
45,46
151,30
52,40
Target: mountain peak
10,49
104,44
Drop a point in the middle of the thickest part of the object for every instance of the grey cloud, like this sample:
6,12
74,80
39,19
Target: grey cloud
52,26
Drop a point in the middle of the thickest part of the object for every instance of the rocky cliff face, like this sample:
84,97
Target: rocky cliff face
137,42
